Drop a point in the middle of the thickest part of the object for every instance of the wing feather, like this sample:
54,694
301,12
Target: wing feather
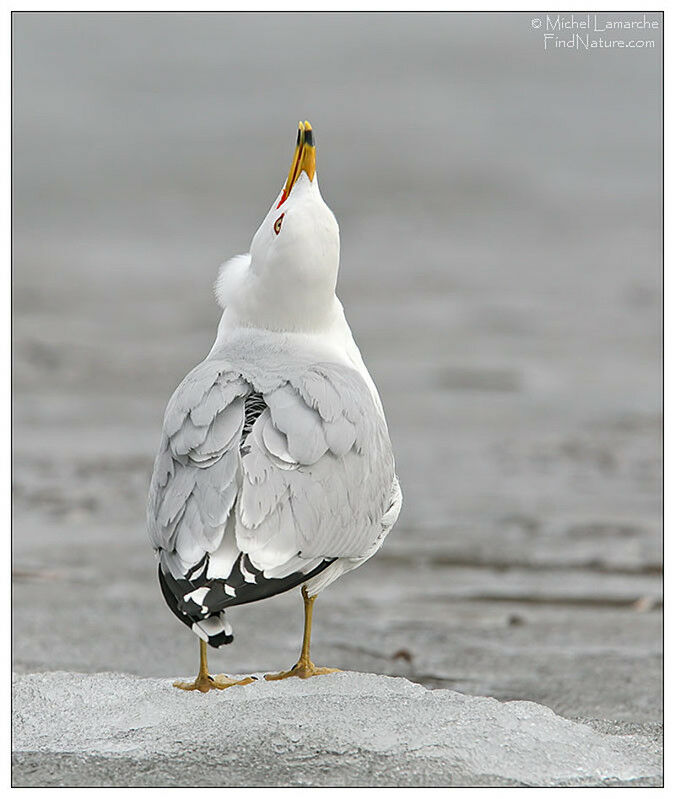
264,507
338,478
301,424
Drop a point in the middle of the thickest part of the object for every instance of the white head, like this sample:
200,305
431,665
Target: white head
287,282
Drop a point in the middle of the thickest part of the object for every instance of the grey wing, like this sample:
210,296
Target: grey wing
253,493
194,482
319,473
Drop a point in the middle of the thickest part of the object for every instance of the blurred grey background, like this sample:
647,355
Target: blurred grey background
500,213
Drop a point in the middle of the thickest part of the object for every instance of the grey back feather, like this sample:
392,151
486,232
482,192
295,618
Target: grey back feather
313,478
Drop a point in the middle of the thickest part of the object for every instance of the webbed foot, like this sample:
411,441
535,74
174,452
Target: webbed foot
302,669
205,682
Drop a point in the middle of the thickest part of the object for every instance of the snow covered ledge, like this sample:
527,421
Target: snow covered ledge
340,729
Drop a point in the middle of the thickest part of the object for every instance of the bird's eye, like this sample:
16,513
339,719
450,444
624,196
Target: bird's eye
277,225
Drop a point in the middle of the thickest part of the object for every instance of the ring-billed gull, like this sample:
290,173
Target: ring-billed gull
275,468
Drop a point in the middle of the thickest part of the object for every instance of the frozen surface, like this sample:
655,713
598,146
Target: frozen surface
336,730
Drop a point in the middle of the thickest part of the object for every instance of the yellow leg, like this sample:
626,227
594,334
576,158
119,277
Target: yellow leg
204,682
304,667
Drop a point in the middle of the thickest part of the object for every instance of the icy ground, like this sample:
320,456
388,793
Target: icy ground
344,729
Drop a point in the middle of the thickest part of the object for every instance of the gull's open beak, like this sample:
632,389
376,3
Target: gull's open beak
304,159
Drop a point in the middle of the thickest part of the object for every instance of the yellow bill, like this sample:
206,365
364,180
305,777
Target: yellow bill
304,159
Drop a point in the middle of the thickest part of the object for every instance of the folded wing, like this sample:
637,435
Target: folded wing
255,491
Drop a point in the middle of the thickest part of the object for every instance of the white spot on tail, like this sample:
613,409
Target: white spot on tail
197,596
